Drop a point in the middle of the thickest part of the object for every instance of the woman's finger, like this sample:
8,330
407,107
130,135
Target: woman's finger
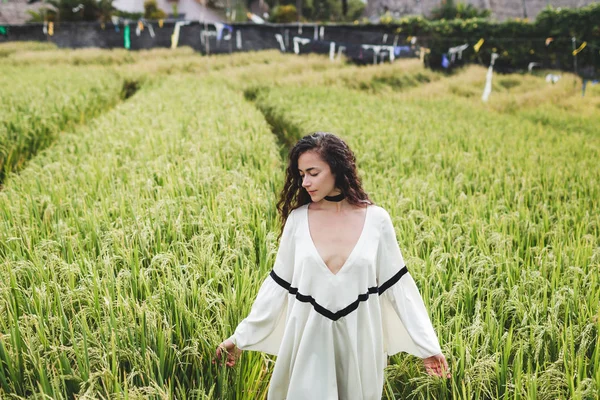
446,368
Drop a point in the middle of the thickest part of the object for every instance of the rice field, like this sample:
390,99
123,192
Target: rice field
37,103
135,236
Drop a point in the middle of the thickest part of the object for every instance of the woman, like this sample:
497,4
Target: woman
339,298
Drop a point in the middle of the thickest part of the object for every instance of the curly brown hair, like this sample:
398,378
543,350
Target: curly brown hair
336,153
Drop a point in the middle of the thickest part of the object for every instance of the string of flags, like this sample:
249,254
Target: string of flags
218,33
578,50
478,45
127,37
298,41
380,51
488,79
220,28
453,51
255,18
550,78
175,35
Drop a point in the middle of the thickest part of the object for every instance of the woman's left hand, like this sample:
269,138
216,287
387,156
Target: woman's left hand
437,365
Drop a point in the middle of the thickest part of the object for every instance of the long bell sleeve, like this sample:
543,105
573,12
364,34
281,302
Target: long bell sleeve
407,326
262,330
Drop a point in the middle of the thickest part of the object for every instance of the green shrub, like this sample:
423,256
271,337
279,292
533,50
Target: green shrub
151,10
518,41
283,14
450,10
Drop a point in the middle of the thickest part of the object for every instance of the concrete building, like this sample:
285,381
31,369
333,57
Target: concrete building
190,9
14,12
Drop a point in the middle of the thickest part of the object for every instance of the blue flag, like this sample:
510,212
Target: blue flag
399,49
445,62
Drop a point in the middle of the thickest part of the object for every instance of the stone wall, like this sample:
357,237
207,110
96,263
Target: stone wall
363,44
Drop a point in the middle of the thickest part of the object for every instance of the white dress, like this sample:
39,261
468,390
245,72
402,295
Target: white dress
332,333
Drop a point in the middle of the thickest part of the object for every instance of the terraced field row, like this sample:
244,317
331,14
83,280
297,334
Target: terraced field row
122,246
500,217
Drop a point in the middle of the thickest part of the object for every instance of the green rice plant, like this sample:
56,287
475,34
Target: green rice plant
311,70
134,245
499,219
9,48
88,56
138,241
37,103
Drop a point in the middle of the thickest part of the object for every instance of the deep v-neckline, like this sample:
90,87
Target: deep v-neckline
350,255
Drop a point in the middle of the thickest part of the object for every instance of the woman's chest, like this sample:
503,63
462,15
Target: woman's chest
335,291
337,258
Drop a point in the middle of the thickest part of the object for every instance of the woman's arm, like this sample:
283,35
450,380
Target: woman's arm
262,329
399,288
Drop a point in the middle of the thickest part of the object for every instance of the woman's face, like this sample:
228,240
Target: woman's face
316,175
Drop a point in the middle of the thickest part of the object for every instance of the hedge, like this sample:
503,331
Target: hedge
548,40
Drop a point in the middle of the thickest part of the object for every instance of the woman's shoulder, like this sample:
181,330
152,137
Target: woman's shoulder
379,211
296,213
299,209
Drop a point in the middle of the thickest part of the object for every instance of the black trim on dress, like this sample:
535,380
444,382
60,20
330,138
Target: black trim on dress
334,316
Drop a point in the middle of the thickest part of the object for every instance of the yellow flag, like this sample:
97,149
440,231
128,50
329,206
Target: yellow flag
478,45
51,28
575,52
140,25
160,23
422,52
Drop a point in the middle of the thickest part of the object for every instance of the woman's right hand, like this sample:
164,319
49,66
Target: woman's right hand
230,349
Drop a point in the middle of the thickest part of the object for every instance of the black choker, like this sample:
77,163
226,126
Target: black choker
335,198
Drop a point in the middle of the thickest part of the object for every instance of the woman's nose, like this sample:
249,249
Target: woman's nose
305,182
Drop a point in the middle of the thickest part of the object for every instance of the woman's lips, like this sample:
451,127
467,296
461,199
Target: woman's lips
311,191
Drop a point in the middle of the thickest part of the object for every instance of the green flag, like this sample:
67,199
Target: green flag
3,30
127,37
